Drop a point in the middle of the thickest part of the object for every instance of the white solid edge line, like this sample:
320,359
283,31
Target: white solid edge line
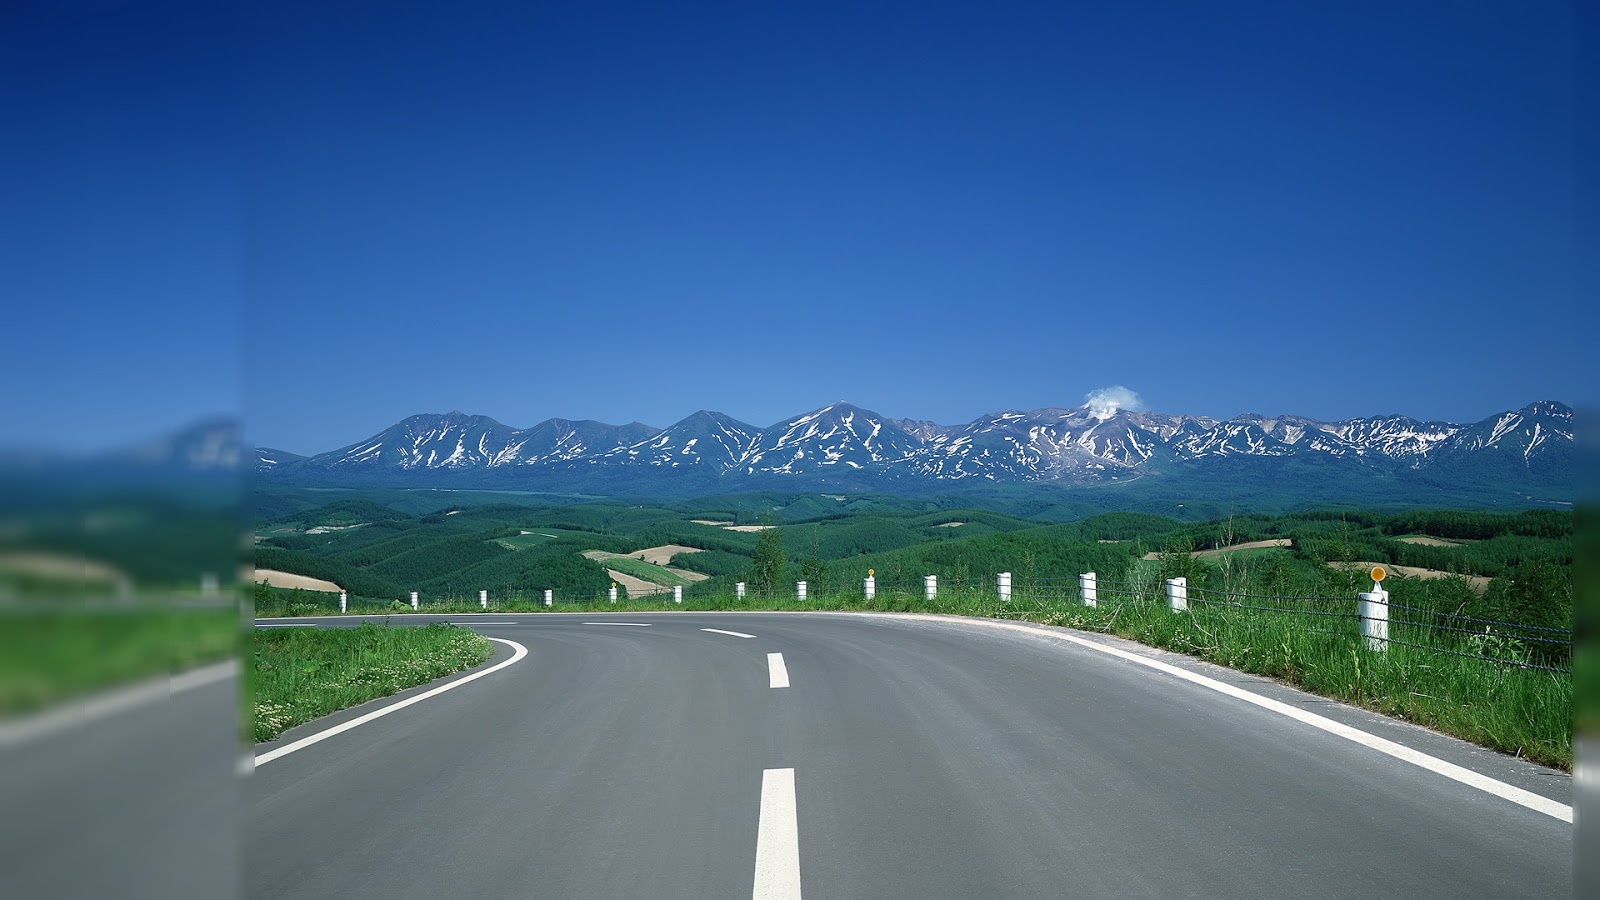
777,672
624,624
286,749
737,634
286,625
1401,752
777,839
84,710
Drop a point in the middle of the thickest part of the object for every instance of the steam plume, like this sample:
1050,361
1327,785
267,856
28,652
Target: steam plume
1104,403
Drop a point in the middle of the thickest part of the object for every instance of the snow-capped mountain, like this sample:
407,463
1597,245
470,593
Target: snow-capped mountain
456,441
209,445
709,439
267,458
834,438
841,445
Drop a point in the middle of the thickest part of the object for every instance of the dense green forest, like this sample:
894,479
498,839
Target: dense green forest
1513,566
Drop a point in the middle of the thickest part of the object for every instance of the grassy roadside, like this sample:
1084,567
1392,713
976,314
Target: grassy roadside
299,674
50,655
1519,711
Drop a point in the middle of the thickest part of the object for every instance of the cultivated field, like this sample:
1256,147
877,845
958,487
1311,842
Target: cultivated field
1477,582
1248,545
290,580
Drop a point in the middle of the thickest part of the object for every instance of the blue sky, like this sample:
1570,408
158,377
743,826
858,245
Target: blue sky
334,219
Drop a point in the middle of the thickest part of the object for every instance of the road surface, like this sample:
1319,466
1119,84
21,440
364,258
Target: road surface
701,755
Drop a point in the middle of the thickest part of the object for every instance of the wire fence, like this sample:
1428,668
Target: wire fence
1504,643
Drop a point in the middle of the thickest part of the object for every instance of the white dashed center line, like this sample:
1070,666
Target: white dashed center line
777,672
738,634
777,839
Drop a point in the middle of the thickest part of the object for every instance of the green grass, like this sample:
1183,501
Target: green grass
638,568
300,674
47,656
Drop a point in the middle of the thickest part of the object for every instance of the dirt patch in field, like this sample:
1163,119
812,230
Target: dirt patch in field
290,580
747,527
950,525
715,522
1476,582
1249,545
1429,541
657,555
637,587
51,565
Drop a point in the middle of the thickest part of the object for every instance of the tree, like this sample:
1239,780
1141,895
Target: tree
767,566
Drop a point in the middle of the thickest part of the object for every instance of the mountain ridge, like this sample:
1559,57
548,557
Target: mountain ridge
841,446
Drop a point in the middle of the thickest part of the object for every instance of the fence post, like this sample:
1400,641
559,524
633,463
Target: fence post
1004,586
483,599
613,592
677,593
1178,594
413,599
1374,607
800,590
1087,589
738,591
549,597
869,587
341,603
930,587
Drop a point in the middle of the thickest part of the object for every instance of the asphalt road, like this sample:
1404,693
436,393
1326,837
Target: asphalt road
906,757
131,793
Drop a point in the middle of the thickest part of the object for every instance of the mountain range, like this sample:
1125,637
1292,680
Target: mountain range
1515,456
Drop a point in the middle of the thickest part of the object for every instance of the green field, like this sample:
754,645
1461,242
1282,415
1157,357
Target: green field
645,571
50,655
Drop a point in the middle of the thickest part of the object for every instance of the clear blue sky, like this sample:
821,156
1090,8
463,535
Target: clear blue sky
334,219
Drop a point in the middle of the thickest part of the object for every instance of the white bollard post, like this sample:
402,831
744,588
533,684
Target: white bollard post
1178,594
1004,586
1374,608
869,587
613,593
800,590
483,599
1087,589
549,597
341,603
738,591
930,586
677,593
413,599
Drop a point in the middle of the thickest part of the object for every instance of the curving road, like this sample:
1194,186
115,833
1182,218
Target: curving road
702,755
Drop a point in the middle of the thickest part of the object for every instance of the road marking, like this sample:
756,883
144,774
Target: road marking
78,713
286,624
342,727
476,624
777,839
729,633
1401,752
627,624
777,672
